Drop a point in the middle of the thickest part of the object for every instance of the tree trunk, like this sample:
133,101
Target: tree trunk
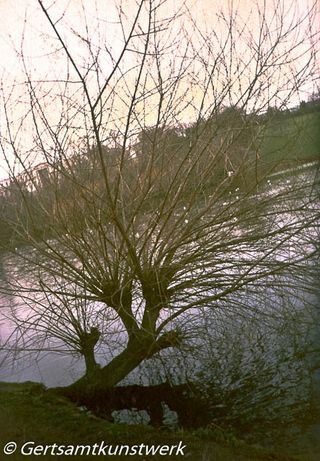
111,374
94,384
88,340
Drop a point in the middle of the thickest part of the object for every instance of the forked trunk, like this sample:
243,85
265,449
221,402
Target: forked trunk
111,374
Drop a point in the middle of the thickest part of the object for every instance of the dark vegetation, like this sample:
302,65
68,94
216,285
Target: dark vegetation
184,399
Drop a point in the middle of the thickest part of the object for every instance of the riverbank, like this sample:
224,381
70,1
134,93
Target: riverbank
29,413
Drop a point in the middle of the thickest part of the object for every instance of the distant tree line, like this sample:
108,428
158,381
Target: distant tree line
234,134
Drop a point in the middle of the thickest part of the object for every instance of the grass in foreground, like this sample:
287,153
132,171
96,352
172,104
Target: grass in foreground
28,413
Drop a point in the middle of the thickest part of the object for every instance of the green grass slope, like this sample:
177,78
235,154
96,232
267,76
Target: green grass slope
291,140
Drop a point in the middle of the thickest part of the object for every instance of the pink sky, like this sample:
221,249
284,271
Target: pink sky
14,14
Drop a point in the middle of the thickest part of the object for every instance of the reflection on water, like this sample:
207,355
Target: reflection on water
50,368
294,331
222,332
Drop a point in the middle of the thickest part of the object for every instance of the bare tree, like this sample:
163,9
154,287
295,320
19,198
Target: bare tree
150,199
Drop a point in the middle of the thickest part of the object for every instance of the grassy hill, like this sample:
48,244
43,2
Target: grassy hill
291,140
